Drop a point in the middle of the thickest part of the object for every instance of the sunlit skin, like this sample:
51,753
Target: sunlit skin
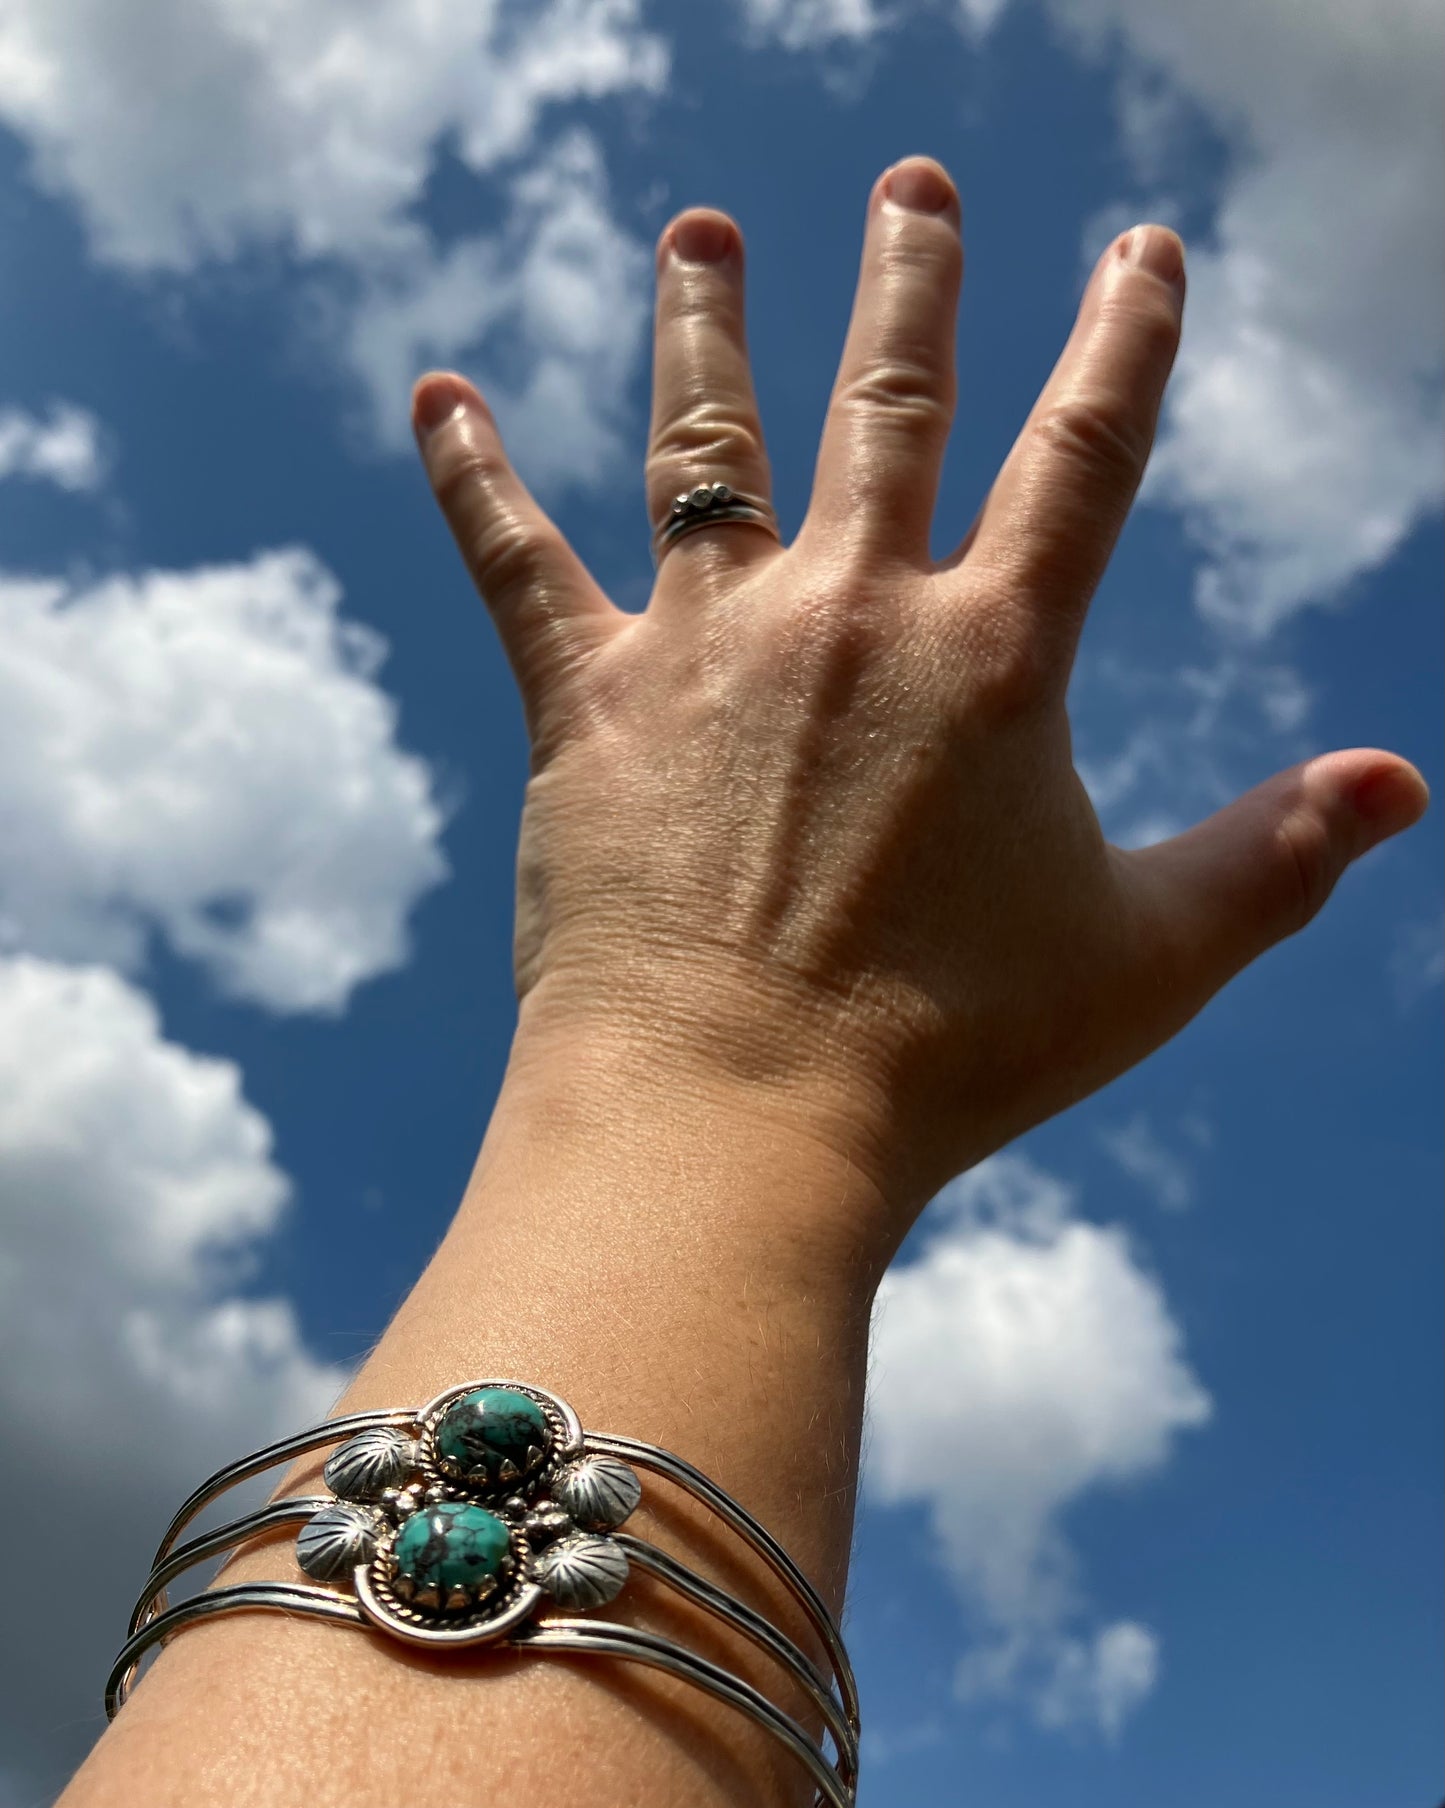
813,913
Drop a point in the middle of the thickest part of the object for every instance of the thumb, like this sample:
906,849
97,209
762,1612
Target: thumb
1257,871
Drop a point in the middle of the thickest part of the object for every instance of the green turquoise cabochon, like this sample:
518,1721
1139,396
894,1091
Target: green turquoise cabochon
489,1427
452,1545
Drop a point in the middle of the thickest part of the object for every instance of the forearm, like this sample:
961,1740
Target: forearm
620,1243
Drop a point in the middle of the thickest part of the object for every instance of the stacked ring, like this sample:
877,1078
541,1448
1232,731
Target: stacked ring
705,505
456,1524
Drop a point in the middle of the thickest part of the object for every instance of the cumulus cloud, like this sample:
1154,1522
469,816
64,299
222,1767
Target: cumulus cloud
135,1182
65,450
1102,1680
314,132
206,752
1301,436
552,307
314,128
1023,1360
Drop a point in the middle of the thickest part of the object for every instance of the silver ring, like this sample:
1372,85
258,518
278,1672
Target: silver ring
704,505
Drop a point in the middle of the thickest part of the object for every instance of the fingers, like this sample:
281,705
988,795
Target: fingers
705,426
1219,895
548,610
1049,525
892,405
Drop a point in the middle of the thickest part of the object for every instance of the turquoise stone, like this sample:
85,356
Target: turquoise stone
452,1545
488,1427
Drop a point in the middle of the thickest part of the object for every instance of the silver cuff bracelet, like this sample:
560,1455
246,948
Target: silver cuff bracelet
456,1524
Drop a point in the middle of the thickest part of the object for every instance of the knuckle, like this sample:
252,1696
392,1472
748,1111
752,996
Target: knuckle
707,300
707,434
832,632
1308,869
1095,435
1011,666
835,594
464,477
1008,678
1140,313
909,390
704,440
919,251
509,555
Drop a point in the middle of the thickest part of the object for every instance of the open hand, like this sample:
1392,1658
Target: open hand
810,823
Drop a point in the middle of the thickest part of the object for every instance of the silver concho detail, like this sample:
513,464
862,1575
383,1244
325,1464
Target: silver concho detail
333,1541
582,1571
598,1491
370,1463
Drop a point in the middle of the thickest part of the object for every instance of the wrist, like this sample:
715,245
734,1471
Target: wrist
763,1151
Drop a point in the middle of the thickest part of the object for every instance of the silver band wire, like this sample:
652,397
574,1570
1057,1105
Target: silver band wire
297,1509
154,1620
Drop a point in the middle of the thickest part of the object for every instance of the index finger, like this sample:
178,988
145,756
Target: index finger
1051,520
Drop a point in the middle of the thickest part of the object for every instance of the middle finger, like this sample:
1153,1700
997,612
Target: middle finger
892,405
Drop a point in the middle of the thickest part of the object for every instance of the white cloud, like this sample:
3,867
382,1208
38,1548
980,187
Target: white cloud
1302,431
1144,1155
1069,1682
1023,1360
135,1182
559,284
1198,733
1417,961
65,450
809,24
313,128
314,131
1102,1681
206,752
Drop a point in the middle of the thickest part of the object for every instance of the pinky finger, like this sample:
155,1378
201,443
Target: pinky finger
549,611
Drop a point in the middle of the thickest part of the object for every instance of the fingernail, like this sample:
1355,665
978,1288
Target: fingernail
438,402
918,185
1387,801
702,238
1159,251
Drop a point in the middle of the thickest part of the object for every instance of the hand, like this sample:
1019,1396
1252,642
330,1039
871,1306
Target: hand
810,824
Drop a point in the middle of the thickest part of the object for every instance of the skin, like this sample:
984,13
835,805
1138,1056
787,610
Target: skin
813,913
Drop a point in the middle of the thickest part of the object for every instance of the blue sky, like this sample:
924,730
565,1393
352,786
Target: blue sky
1171,1531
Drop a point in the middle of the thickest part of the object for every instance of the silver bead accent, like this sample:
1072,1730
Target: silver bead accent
582,1572
697,502
333,1541
546,1522
598,1491
370,1463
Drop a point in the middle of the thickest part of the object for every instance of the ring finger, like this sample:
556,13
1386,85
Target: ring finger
705,426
